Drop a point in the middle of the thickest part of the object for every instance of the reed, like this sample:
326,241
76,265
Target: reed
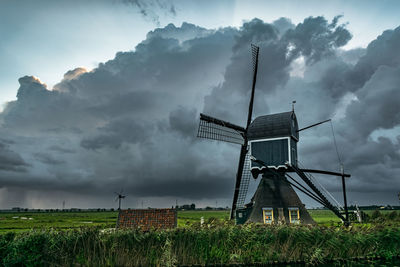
210,244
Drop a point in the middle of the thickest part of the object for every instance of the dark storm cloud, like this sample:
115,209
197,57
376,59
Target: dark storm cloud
102,127
127,103
380,52
61,149
282,25
377,105
373,86
131,122
352,56
184,121
47,159
187,31
117,132
331,74
316,38
72,74
10,160
313,39
151,8
37,109
213,186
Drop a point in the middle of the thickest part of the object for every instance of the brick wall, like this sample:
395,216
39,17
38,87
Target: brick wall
147,219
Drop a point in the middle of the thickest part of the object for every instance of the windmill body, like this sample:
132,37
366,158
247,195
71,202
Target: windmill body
269,147
273,140
274,202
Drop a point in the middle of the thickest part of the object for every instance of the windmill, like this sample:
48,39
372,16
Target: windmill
119,197
269,147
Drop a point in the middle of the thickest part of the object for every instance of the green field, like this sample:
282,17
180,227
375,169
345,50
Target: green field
189,217
23,221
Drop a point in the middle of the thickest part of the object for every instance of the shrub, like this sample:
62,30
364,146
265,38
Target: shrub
376,214
392,215
217,244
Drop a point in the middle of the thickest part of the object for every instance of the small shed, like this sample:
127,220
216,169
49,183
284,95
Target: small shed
147,219
273,139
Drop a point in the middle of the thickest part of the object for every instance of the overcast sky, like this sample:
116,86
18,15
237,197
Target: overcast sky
101,95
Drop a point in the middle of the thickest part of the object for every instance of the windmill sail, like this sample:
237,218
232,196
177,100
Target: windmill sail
244,184
254,49
215,129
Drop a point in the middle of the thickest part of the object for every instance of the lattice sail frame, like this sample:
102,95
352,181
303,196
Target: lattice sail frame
244,183
213,131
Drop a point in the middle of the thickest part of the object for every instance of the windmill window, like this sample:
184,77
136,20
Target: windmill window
268,215
294,215
240,215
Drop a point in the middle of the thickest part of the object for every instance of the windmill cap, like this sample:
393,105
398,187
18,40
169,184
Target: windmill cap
274,126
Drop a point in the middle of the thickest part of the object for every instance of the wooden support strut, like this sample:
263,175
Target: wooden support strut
342,175
301,174
347,222
325,172
307,191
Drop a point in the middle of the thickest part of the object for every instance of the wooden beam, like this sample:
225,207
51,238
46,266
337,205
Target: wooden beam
325,172
316,124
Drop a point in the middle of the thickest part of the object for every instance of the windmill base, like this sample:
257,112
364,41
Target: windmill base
274,202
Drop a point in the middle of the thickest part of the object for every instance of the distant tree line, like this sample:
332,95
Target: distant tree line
18,209
375,207
370,207
193,207
186,207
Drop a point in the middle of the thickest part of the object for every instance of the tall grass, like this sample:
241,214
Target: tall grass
197,245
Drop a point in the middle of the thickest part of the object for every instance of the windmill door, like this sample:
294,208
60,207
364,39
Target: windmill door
268,215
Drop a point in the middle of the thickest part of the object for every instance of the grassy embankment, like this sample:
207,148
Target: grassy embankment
60,239
214,244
